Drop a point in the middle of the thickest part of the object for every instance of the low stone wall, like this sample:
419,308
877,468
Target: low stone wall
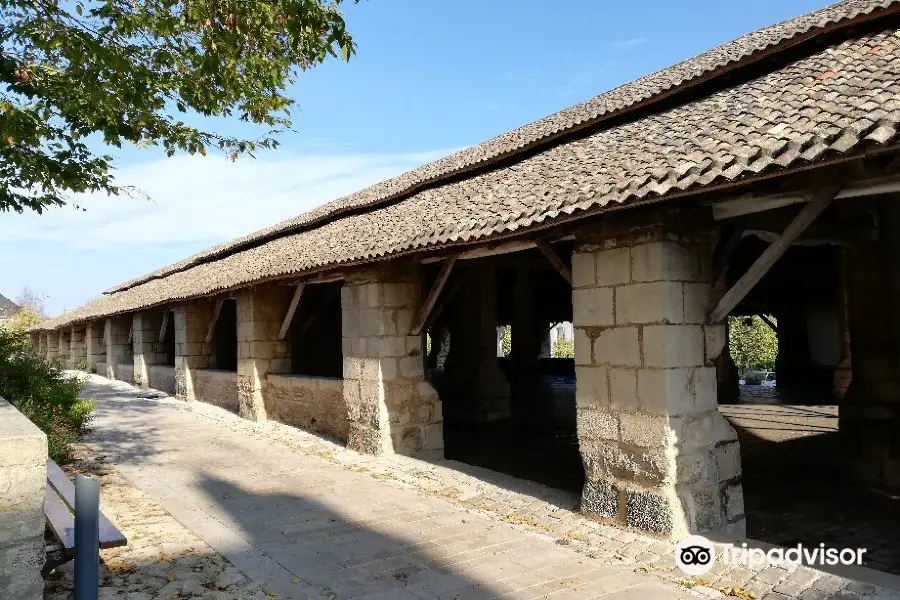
125,372
311,403
162,378
23,473
100,368
216,387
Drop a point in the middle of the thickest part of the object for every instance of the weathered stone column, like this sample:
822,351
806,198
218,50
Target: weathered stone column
23,470
117,346
145,327
191,350
473,372
869,415
65,353
93,338
391,407
658,456
52,345
41,345
77,348
260,312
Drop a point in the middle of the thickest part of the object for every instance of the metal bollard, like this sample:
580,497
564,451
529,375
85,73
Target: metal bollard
87,538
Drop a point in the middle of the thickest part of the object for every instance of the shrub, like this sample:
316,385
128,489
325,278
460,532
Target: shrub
43,393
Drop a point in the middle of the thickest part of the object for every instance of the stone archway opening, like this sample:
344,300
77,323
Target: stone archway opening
500,356
816,449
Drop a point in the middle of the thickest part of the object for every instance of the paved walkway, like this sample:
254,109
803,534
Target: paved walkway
305,528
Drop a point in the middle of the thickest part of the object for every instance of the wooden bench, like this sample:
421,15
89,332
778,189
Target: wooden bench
59,508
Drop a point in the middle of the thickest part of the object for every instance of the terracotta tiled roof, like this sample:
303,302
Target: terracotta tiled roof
7,307
612,103
839,102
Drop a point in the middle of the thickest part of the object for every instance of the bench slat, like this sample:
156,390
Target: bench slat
110,536
62,522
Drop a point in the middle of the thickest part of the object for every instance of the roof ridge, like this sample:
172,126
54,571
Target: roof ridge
647,89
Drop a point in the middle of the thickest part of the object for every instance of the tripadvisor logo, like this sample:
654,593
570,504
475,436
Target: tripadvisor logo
696,555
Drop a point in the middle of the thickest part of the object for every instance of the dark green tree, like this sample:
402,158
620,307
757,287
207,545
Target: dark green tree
122,71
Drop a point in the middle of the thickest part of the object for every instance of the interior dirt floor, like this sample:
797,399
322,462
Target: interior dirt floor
794,487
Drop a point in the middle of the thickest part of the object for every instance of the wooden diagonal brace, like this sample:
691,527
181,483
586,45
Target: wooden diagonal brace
286,323
433,295
211,331
165,325
555,260
770,255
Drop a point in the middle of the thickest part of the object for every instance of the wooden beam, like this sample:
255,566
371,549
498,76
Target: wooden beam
725,251
554,259
210,332
448,297
433,295
770,255
769,322
286,323
165,325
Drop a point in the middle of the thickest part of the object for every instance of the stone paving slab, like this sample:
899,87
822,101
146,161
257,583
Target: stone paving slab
304,528
283,504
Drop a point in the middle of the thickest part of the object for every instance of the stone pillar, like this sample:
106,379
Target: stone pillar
478,386
23,469
869,416
64,355
260,312
191,350
391,407
77,348
93,339
145,327
118,349
658,456
41,345
52,345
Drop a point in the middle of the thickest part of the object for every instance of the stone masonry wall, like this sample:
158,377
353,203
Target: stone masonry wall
218,388
260,312
312,403
77,347
23,471
94,349
64,347
191,350
118,349
52,345
162,378
658,456
148,350
391,407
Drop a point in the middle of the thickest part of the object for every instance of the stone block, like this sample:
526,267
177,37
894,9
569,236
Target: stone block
600,499
617,346
592,307
696,302
728,460
593,424
591,387
613,266
647,430
650,511
701,506
734,502
673,345
434,437
665,260
399,295
412,367
623,394
653,302
706,430
666,391
705,389
583,270
582,347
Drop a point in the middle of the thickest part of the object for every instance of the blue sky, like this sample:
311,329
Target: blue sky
430,77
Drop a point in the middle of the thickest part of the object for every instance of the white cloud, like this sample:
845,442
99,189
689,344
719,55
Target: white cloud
208,200
622,45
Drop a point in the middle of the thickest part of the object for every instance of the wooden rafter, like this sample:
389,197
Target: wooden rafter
448,296
433,295
211,331
555,260
286,323
164,326
770,255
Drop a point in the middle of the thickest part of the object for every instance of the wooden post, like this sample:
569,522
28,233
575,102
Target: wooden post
286,323
212,323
